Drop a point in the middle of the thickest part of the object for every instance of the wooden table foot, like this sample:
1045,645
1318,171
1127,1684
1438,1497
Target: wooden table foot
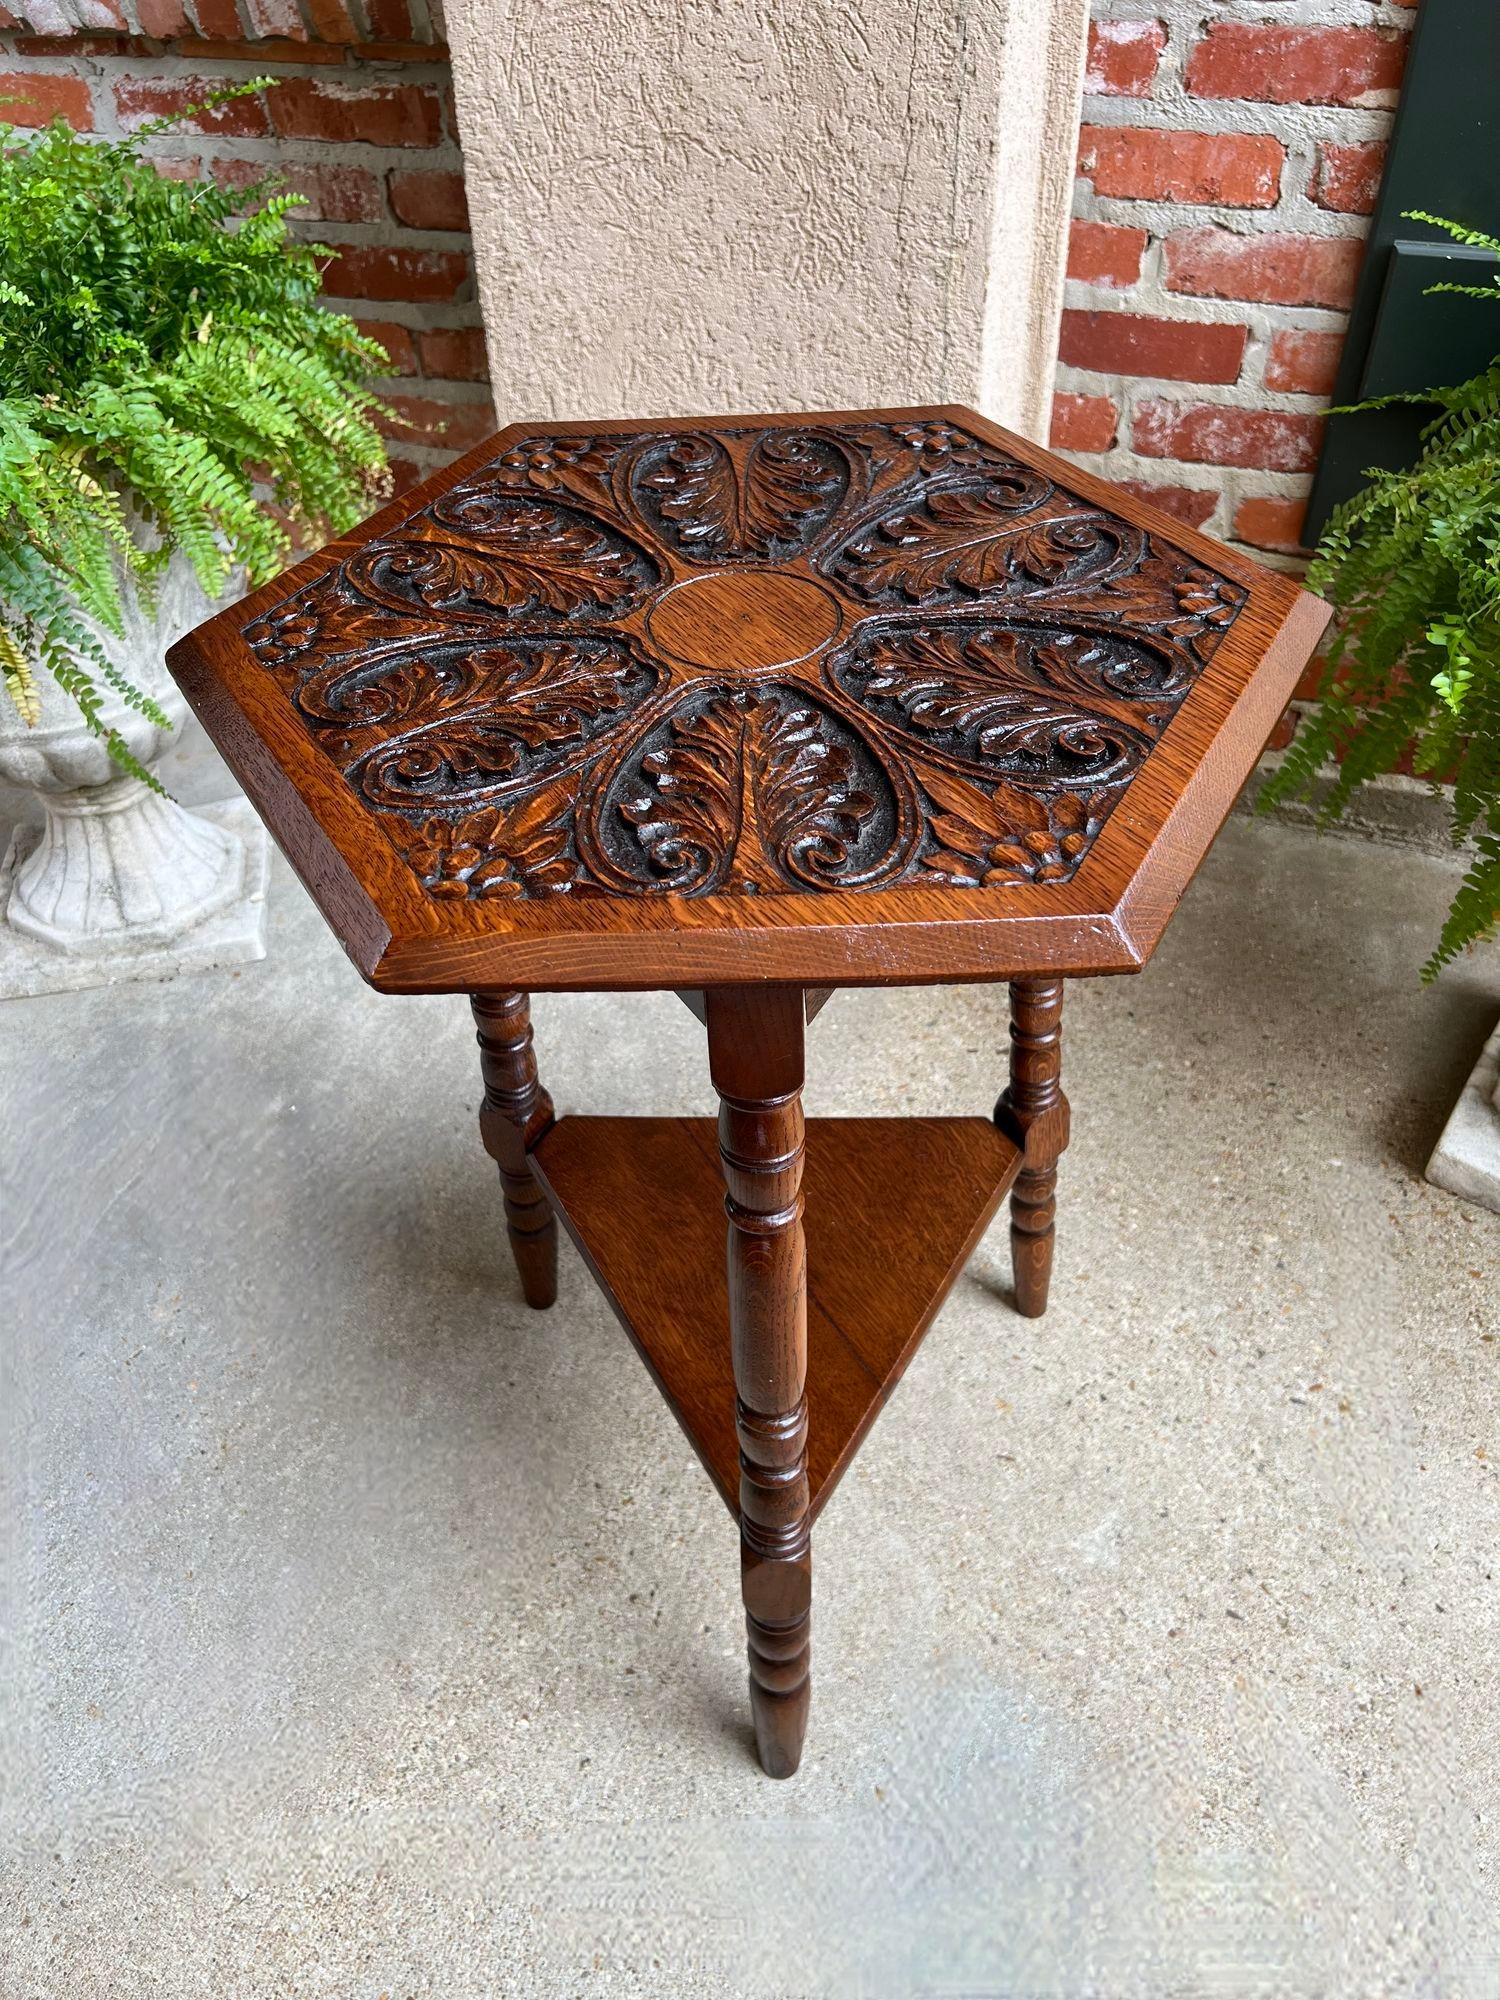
515,1113
1033,1112
780,1669
755,1058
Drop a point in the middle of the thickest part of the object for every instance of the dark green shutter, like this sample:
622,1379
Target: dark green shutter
1445,158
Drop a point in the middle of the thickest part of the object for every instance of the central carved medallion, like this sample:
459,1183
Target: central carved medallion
746,660
742,620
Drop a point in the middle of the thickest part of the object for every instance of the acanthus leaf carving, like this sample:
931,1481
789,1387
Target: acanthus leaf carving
494,853
536,562
533,557
1094,663
382,691
1069,549
973,692
753,789
511,715
970,541
688,814
1007,654
923,454
785,487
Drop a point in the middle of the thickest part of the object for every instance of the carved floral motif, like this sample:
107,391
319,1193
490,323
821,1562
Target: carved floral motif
503,716
755,788
718,508
969,543
985,695
494,853
1006,834
483,673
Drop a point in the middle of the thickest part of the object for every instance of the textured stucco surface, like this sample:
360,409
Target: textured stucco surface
371,1635
768,203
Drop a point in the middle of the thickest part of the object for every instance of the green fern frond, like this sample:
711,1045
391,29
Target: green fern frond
1475,909
1413,562
154,127
20,681
163,346
1475,238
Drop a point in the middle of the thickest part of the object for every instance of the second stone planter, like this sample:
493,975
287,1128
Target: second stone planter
117,881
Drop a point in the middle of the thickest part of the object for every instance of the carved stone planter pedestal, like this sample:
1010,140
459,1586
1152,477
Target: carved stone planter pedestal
1466,1160
118,882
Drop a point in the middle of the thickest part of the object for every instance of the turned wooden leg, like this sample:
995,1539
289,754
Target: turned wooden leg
515,1113
1034,1113
755,1058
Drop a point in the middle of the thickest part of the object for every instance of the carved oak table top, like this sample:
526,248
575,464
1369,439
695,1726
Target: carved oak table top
835,698
752,708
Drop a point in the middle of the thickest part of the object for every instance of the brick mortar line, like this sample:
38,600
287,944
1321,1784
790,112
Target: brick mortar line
325,153
430,314
1238,395
386,235
1194,309
269,51
1229,484
1179,110
391,311
465,389
1169,389
1295,214
128,66
1265,13
1302,14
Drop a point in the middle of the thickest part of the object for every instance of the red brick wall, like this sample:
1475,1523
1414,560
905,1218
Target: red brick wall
362,124
1227,165
1228,162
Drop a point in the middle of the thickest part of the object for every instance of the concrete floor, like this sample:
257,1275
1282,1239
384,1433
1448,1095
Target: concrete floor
374,1636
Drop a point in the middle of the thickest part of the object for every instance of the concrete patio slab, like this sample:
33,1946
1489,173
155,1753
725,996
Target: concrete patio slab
370,1634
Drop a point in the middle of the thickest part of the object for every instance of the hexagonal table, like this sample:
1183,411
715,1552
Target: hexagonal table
752,708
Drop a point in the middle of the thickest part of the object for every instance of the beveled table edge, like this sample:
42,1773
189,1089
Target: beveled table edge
914,935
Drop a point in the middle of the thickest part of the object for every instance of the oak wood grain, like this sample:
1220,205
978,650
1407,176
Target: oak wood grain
514,1115
1034,1112
755,1055
876,1275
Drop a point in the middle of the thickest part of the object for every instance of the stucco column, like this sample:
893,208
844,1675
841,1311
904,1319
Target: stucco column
720,205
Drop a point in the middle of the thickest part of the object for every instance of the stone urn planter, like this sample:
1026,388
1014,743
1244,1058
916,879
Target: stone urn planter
118,882
1466,1160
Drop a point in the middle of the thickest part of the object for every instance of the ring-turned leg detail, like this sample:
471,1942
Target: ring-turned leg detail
1033,1112
755,1057
515,1113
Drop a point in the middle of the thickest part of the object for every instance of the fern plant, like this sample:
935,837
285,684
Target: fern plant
1413,562
163,356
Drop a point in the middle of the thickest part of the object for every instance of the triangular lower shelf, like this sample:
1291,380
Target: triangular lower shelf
893,1208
